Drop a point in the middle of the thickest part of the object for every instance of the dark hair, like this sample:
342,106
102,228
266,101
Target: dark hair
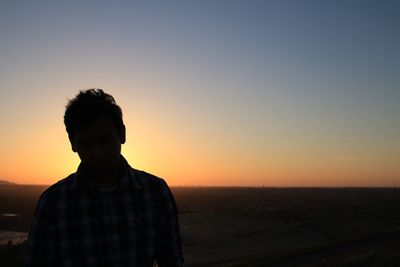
88,106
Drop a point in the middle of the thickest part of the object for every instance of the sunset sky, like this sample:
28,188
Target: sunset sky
238,93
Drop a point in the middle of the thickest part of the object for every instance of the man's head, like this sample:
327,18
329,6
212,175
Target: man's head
95,128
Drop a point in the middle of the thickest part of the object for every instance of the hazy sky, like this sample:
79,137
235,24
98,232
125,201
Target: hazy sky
274,93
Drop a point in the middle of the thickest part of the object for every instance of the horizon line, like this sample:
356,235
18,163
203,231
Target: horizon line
244,186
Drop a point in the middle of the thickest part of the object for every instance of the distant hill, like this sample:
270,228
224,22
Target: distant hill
4,182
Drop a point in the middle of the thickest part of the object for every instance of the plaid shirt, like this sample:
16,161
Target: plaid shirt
76,224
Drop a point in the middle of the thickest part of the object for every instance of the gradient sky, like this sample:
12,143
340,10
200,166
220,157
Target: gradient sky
274,93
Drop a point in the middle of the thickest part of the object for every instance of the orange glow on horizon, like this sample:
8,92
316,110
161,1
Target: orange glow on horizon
43,156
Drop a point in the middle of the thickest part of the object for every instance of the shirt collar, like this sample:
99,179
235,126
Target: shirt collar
128,179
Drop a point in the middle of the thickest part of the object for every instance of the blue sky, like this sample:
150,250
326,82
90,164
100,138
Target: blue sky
290,83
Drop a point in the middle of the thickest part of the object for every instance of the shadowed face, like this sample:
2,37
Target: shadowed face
98,145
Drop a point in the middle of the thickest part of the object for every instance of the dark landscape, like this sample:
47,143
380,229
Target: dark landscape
245,226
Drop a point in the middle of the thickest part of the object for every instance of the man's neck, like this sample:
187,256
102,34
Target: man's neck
107,178
106,182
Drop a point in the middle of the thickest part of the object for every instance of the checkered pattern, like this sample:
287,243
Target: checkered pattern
134,225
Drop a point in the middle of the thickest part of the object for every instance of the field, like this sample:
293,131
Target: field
258,226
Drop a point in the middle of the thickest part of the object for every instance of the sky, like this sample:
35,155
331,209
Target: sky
213,93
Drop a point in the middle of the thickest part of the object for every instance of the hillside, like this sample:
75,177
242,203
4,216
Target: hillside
4,182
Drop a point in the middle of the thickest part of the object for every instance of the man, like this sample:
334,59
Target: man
106,213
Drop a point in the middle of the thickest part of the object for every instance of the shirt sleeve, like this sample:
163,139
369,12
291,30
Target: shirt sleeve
168,249
41,245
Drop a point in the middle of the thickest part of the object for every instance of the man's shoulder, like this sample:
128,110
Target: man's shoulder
154,188
51,196
148,180
60,186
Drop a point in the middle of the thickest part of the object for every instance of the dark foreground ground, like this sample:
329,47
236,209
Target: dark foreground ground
256,226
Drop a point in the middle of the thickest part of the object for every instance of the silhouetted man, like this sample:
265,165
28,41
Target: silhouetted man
106,213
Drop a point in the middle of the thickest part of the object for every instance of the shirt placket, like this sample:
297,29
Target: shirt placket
112,229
